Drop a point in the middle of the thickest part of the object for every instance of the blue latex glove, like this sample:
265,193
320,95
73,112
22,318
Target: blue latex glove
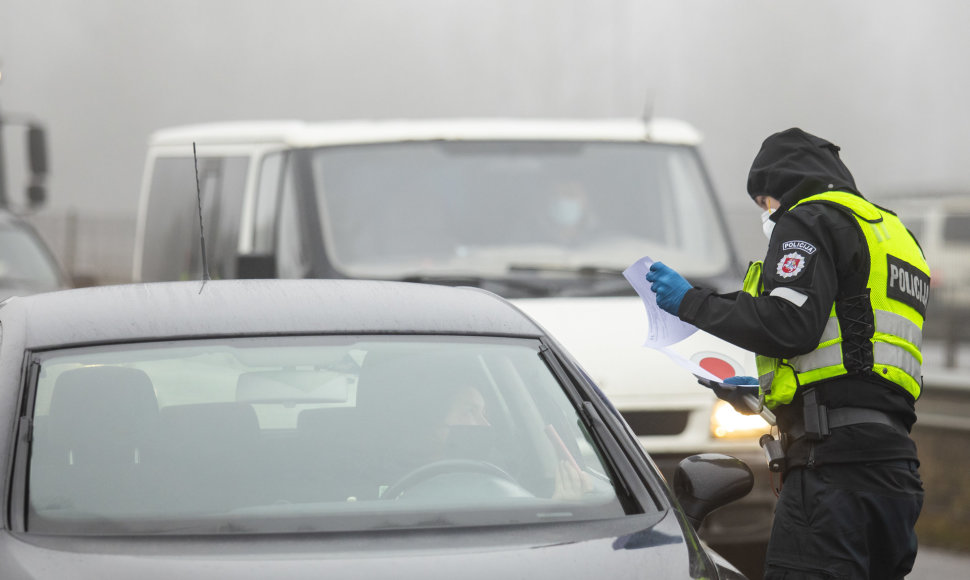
669,286
741,381
735,396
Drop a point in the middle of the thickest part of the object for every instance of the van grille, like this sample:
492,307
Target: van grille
656,422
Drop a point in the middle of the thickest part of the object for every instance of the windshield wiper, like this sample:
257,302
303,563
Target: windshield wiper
497,284
584,270
539,280
583,281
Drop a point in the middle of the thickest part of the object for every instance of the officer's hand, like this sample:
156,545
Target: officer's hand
668,285
736,396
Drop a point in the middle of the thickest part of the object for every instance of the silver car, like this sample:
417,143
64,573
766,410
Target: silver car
324,429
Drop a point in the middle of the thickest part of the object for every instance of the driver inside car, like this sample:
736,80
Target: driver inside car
461,431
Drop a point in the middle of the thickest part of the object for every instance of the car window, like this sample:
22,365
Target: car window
956,229
267,196
292,256
172,228
293,434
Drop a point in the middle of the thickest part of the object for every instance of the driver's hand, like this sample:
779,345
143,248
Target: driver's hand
570,482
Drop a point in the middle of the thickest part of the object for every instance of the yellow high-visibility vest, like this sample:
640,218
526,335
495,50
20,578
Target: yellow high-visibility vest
898,285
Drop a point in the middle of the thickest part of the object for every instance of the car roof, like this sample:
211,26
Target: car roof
295,133
137,312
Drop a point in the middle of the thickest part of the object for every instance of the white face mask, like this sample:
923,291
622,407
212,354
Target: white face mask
766,224
568,212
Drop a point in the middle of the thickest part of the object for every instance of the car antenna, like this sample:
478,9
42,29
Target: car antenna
198,193
651,87
647,113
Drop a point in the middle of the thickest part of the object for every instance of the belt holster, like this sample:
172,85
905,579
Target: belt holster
815,417
774,453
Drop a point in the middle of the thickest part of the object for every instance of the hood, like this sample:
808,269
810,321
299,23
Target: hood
614,548
793,165
606,335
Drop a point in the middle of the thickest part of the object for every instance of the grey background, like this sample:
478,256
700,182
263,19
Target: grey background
887,80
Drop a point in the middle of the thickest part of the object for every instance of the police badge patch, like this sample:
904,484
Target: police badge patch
791,265
798,245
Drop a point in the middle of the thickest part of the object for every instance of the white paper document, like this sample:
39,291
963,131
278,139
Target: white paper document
663,328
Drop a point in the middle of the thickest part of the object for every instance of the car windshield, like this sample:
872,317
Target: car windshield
489,208
296,434
24,262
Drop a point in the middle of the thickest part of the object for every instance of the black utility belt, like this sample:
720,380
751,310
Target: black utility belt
817,424
818,421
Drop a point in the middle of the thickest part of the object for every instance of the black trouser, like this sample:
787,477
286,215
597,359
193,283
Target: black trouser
849,520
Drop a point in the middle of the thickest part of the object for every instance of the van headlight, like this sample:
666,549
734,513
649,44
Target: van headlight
726,423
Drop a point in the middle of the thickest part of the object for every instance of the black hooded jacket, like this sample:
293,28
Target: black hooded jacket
788,318
793,165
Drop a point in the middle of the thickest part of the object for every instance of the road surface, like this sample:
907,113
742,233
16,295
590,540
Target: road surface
936,564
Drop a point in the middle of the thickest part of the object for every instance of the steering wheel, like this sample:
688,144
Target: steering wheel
436,468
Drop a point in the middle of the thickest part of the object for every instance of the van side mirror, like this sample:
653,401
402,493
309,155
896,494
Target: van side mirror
705,482
259,266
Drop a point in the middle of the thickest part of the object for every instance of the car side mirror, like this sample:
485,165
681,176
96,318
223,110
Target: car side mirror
256,266
705,482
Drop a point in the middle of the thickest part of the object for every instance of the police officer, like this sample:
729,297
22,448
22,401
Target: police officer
835,314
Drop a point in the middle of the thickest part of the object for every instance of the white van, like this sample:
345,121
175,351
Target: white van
545,212
941,223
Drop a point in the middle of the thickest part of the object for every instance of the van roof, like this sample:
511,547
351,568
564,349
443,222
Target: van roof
295,133
943,202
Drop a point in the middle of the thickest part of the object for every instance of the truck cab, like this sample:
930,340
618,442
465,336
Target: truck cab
547,213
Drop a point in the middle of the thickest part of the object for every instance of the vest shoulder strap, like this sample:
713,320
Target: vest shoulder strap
850,203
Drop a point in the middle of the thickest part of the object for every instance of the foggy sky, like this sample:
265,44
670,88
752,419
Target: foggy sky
886,80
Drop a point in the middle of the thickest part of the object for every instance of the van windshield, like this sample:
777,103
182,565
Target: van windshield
487,208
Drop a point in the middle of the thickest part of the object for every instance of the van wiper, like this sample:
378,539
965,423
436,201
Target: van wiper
585,270
497,284
583,281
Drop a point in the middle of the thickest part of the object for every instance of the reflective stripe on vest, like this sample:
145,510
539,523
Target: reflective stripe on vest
828,356
894,356
831,331
885,353
896,325
895,264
